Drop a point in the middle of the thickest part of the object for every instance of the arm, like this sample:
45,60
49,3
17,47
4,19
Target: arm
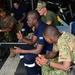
28,41
49,22
8,29
51,54
22,17
32,51
62,66
40,60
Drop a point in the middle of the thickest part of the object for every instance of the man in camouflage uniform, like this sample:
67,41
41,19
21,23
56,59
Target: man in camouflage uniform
64,43
6,25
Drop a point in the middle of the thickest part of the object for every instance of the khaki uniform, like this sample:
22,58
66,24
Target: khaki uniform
66,48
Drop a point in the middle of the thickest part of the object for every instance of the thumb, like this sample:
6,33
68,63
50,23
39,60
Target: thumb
19,32
40,56
15,47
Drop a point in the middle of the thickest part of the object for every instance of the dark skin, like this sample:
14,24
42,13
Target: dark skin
32,23
5,17
42,59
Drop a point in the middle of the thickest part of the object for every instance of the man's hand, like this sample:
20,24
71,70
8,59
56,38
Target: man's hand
41,60
17,50
19,21
19,35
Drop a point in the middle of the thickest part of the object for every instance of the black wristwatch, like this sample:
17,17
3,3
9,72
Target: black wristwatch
48,63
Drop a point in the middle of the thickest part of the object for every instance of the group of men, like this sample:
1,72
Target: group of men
54,51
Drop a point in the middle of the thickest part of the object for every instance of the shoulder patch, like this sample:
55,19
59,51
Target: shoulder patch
40,38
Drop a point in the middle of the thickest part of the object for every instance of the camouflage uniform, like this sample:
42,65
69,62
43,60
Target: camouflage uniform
7,36
66,47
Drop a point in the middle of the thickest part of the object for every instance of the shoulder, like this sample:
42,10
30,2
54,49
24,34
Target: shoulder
42,24
50,12
10,17
66,37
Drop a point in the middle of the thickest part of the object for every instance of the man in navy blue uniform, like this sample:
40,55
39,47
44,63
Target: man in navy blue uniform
33,18
19,12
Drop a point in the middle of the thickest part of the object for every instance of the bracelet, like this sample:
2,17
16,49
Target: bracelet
48,63
0,30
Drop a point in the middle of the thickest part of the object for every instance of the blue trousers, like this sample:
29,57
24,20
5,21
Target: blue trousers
29,59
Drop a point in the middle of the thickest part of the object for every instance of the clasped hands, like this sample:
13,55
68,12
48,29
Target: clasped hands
41,60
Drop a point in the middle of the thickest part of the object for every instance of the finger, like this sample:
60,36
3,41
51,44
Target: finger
42,55
19,32
37,58
38,63
39,55
15,47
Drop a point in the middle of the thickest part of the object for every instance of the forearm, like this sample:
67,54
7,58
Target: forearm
22,18
5,30
32,51
51,55
37,50
49,22
28,41
59,66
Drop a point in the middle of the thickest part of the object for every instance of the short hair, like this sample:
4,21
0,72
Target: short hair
4,10
34,14
16,2
50,30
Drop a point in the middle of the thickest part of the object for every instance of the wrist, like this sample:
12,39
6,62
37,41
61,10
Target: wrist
48,63
22,38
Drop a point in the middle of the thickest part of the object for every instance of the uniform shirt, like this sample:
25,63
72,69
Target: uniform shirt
18,13
5,24
7,36
50,16
66,48
41,40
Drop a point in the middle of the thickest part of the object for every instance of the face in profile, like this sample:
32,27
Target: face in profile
48,39
30,21
41,12
16,5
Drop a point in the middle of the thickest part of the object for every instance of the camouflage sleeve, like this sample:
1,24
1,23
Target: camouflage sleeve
64,51
55,48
